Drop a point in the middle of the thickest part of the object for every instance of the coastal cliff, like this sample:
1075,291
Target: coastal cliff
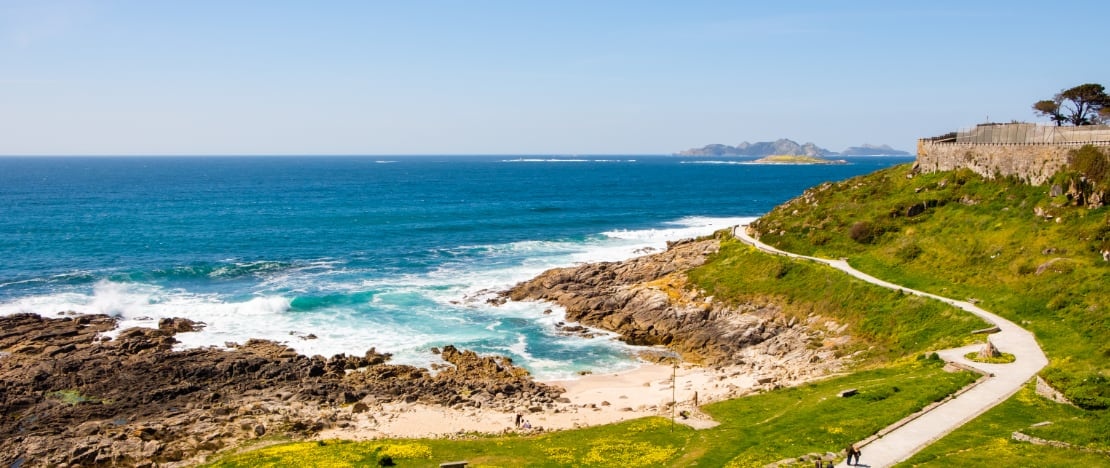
646,300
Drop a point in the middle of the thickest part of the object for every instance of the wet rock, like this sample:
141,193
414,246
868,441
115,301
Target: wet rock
179,325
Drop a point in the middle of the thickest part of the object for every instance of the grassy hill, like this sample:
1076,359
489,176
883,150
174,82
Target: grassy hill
1032,254
1032,258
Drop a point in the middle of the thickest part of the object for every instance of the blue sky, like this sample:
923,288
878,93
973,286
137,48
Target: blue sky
523,77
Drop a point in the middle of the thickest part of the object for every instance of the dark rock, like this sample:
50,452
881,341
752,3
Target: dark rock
349,397
179,325
168,406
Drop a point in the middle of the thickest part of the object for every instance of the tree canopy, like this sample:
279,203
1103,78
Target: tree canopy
1086,104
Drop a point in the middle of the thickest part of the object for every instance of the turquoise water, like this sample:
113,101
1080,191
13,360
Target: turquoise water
395,253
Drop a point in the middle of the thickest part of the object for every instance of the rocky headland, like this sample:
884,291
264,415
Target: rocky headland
71,396
648,302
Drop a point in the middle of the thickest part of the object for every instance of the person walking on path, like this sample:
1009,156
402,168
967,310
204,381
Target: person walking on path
853,452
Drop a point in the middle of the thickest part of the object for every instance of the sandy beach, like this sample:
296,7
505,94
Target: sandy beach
589,401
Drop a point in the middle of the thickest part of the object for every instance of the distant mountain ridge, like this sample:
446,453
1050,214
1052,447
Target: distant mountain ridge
786,146
873,150
761,148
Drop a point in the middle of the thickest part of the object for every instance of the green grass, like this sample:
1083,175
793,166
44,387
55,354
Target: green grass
986,440
886,324
74,397
754,430
1002,358
975,239
988,240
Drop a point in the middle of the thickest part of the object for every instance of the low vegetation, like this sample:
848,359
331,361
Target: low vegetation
1002,358
1080,438
884,323
1031,257
782,424
796,159
1036,255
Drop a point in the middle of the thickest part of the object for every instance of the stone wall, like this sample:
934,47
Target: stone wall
1022,133
1033,163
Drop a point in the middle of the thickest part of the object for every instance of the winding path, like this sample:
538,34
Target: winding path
901,440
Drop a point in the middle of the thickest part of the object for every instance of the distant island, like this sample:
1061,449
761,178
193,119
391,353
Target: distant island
873,150
762,148
796,159
784,146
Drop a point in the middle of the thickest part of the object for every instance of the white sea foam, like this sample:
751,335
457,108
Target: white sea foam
726,163
563,160
544,160
403,314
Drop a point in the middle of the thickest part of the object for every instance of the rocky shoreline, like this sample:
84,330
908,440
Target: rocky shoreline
72,396
646,300
69,396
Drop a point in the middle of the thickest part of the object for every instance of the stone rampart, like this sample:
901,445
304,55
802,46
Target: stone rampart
1033,163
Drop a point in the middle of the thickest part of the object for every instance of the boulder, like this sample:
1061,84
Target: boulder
989,351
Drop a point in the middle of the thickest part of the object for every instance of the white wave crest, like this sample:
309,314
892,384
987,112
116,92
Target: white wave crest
405,314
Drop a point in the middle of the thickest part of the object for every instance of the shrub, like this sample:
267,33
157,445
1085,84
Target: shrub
862,232
908,252
1089,391
1092,163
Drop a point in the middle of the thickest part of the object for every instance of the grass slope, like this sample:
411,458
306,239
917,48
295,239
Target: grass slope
987,441
886,324
1026,255
980,240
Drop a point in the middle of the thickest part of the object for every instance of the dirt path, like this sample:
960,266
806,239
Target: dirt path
901,440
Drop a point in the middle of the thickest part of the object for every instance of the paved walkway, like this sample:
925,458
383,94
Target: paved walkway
1005,379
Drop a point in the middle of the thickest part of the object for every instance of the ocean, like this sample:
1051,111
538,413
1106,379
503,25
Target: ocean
336,255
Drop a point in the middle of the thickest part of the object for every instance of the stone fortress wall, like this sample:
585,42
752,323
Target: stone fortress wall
1030,152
